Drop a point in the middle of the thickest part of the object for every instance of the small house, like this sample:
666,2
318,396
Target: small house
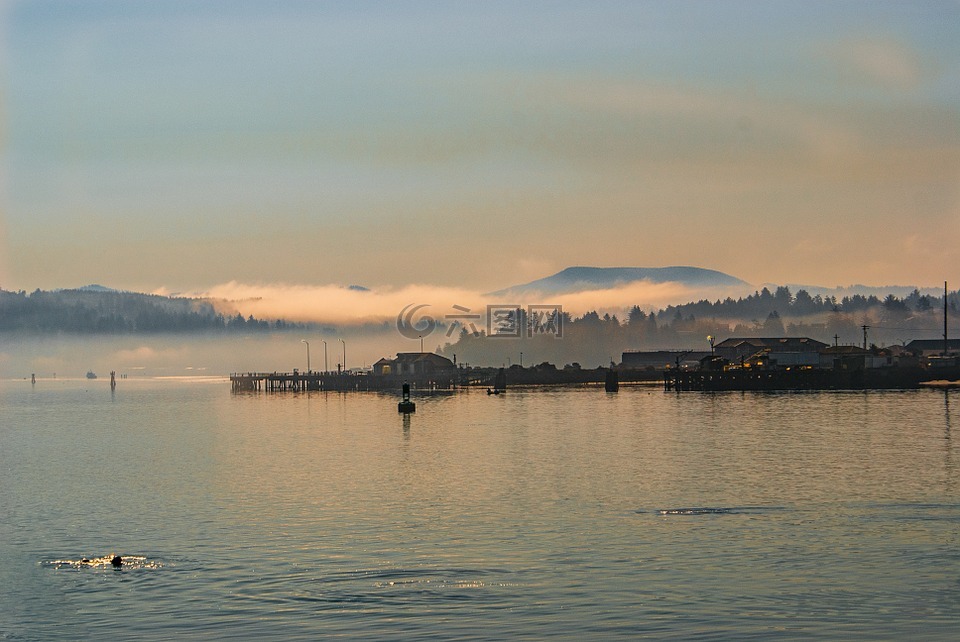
415,364
780,350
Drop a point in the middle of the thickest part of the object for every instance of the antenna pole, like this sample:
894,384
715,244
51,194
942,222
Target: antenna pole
946,351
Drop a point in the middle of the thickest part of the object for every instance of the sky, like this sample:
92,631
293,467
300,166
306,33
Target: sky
237,146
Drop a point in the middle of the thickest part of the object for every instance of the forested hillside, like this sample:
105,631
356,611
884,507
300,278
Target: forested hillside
111,312
595,339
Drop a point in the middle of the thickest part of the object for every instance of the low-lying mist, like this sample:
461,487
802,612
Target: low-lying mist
339,305
361,321
70,356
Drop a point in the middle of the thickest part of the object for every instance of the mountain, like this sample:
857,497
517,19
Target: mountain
95,288
580,279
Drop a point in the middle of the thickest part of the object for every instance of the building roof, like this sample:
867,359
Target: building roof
928,345
658,356
845,350
781,344
428,357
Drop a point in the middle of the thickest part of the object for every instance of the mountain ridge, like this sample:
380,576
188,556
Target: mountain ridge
581,278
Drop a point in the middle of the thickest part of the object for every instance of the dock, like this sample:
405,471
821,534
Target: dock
331,381
444,380
903,378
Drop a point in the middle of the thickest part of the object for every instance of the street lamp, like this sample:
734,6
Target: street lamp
711,339
421,344
344,355
325,368
308,352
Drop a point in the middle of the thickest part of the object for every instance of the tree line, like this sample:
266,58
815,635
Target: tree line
594,339
94,312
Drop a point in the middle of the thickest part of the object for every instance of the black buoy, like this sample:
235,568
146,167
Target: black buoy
612,382
406,406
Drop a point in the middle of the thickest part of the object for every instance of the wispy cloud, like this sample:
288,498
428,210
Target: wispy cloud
878,60
459,144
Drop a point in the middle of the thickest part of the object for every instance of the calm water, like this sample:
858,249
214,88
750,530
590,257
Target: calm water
544,513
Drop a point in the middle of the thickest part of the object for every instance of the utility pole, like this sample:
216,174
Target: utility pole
308,352
865,328
946,350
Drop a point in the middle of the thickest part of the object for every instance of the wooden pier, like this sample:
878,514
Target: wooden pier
446,380
330,381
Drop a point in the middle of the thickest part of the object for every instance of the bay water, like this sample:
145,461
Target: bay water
560,513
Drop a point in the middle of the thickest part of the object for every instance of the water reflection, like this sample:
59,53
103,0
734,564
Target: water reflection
946,412
948,464
308,516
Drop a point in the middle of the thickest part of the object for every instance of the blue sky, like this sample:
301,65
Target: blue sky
184,145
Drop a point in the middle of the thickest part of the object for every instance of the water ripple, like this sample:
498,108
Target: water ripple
129,562
711,510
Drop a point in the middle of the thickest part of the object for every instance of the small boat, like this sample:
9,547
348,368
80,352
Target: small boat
499,383
91,374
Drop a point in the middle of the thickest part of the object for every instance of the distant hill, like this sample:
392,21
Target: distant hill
95,288
580,279
101,310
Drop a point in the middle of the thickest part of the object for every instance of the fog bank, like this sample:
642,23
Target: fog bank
343,305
